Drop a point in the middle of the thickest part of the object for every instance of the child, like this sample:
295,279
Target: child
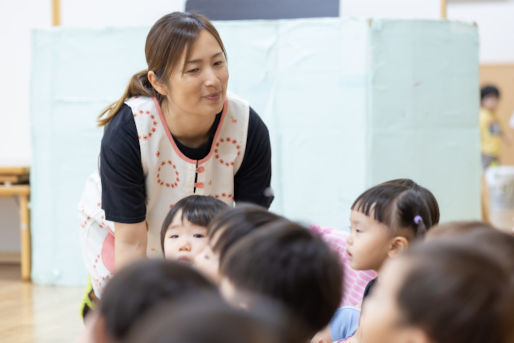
491,131
226,229
290,264
443,291
184,230
206,319
136,289
345,321
384,219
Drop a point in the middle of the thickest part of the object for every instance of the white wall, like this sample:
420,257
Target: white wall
495,19
398,9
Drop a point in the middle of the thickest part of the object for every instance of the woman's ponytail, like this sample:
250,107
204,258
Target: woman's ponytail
138,86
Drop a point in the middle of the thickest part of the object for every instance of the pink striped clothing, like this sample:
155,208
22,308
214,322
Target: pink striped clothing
355,281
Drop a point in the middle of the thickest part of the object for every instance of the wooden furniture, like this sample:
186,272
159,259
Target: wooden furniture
14,182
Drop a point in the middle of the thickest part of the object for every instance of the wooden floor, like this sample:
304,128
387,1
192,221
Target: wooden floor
31,313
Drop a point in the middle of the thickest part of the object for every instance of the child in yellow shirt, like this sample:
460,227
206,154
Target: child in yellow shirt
491,130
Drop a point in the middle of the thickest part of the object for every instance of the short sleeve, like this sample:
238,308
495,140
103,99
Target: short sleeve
121,171
252,180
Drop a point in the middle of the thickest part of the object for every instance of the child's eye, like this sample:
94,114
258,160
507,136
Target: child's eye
198,235
173,236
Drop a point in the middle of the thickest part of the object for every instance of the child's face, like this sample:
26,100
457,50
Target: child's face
368,243
490,102
184,240
381,316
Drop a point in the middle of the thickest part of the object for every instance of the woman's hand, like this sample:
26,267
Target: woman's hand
129,243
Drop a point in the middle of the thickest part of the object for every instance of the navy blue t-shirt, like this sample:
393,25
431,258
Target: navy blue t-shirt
123,180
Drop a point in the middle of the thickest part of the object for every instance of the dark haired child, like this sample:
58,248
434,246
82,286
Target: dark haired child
184,230
226,229
469,294
290,264
345,321
491,130
136,289
384,220
206,319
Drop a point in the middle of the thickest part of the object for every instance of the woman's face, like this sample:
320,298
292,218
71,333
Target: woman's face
198,86
381,316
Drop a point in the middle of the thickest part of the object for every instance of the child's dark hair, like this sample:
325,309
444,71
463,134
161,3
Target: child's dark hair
489,90
141,286
474,294
429,197
398,207
206,319
235,223
458,228
290,264
197,209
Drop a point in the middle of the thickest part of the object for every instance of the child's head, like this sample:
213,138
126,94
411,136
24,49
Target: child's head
489,97
141,286
384,219
184,230
226,229
443,291
428,196
485,238
457,228
287,262
206,319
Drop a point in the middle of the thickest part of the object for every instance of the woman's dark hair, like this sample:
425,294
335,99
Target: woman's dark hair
235,223
398,207
489,90
196,209
287,262
206,319
167,40
143,285
473,293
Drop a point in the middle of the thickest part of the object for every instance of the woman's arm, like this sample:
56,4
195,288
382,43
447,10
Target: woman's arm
252,180
129,243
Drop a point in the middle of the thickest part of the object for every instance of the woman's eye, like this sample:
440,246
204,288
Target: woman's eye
192,71
218,63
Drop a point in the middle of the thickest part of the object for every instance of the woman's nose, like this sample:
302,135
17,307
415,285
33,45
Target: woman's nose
211,77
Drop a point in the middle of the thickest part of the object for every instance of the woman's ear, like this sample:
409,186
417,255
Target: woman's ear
398,244
156,84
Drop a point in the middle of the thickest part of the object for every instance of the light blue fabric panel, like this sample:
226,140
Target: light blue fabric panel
75,73
340,98
424,110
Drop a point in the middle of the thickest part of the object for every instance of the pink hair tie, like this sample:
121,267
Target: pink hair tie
418,219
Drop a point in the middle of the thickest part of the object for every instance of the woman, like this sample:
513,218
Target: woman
175,132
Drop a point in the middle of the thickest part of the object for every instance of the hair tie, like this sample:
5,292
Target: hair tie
418,219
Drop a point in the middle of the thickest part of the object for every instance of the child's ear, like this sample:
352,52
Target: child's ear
398,244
